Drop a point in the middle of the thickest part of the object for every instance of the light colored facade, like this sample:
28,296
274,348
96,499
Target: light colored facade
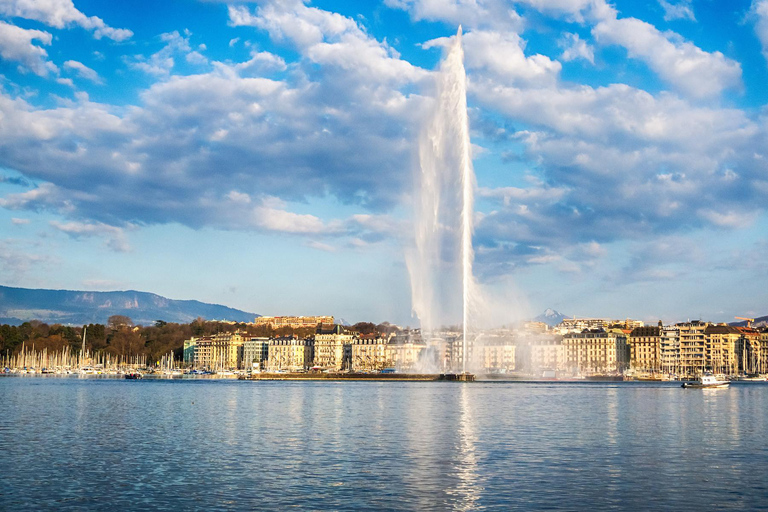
749,350
693,348
404,353
255,353
369,353
645,349
294,322
498,357
289,353
670,349
722,348
333,348
222,351
596,352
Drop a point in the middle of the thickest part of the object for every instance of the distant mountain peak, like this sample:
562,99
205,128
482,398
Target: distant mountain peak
550,317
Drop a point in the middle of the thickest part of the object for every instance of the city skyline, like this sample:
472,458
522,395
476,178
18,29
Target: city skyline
260,155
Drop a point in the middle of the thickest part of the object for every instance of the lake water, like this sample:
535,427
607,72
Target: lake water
74,444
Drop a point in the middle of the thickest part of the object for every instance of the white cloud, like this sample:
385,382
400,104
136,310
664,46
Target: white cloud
61,14
760,12
19,222
162,62
16,44
688,68
682,10
576,48
83,71
116,239
498,15
503,55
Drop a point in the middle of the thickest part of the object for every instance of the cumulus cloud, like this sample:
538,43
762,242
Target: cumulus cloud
16,44
681,10
575,48
162,62
83,71
503,55
61,14
685,66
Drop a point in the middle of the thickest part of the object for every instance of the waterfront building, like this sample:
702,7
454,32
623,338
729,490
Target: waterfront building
749,350
333,348
293,322
369,353
596,352
670,349
188,354
645,349
404,350
498,356
693,348
289,353
762,361
255,353
223,351
723,343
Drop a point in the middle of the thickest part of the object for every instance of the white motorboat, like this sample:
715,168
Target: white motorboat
707,380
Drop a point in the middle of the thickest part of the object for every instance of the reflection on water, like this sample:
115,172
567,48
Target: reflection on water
82,444
467,490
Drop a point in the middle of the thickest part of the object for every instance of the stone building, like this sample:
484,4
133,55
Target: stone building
289,353
645,349
294,322
223,351
722,344
369,353
404,350
749,350
333,348
596,352
498,357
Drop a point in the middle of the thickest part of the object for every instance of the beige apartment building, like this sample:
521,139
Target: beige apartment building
645,349
369,353
333,348
289,353
498,357
218,352
596,352
405,351
722,346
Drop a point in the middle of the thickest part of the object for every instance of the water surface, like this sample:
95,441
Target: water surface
75,444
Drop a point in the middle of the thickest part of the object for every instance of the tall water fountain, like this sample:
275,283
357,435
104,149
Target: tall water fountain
440,265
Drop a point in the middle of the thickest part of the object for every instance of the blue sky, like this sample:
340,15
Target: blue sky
261,154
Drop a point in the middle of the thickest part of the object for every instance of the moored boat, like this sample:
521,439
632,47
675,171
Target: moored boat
707,380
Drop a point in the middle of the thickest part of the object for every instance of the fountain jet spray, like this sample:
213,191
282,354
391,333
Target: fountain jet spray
440,266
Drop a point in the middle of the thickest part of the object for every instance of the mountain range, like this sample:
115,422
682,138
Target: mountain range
18,305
